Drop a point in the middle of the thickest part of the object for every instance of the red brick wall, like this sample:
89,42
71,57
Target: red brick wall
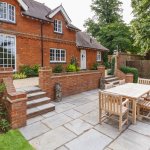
72,83
28,42
5,73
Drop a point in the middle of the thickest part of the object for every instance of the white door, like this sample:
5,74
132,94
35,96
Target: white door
83,59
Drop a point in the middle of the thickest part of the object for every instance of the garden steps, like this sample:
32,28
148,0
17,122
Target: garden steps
40,110
38,103
112,79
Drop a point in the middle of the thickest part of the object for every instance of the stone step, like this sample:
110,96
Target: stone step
29,90
109,76
111,79
115,82
38,102
36,95
40,110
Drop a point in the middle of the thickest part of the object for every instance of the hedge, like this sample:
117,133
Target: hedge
134,71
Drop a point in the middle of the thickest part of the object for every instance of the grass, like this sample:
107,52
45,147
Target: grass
13,140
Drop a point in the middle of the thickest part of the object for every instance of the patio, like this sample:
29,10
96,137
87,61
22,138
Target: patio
74,125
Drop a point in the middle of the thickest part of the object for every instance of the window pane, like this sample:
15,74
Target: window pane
7,51
57,55
52,55
1,10
63,55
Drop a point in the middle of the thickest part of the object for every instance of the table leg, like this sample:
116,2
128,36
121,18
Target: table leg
134,112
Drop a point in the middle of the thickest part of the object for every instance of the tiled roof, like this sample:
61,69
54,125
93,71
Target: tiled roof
84,40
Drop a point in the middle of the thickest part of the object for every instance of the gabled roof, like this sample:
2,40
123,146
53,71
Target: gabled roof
84,40
59,9
23,5
36,10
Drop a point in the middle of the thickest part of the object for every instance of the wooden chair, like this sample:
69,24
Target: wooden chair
143,109
108,86
144,81
113,105
121,82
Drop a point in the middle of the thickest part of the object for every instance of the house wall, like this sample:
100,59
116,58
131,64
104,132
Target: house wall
28,43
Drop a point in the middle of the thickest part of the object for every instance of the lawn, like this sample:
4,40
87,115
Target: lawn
13,140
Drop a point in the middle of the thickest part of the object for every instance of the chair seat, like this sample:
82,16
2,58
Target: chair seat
147,98
144,104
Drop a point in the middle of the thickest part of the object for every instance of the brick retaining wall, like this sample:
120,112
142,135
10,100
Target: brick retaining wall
72,83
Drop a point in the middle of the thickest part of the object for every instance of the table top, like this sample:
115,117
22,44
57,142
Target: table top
132,90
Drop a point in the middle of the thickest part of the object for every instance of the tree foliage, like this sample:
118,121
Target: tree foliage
141,24
108,26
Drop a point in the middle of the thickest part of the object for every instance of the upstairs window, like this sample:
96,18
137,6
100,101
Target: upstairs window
7,12
99,56
58,26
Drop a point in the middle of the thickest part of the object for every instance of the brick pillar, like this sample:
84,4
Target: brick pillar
6,73
15,104
101,69
129,78
45,74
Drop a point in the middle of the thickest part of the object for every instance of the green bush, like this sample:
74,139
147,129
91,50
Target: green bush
30,71
19,76
134,71
112,66
4,125
58,69
77,69
2,87
71,68
95,65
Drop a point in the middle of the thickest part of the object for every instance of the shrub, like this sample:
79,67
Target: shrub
19,76
134,71
2,87
112,66
4,125
58,69
95,65
30,71
77,69
71,68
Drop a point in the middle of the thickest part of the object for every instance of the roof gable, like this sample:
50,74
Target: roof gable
62,10
23,4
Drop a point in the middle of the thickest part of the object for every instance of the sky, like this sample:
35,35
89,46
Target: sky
79,10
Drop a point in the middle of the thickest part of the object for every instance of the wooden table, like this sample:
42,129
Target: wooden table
132,91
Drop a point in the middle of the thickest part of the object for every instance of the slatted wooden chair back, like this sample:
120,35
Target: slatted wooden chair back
144,81
110,103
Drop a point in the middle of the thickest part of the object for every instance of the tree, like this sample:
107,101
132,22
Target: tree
108,27
141,24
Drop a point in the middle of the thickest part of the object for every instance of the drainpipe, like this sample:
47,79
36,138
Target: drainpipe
42,43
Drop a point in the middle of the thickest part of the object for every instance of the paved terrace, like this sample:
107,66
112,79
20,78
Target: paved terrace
74,125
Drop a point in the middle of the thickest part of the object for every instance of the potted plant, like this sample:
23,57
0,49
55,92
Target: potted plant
2,89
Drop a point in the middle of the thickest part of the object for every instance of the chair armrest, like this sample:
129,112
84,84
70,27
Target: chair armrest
125,102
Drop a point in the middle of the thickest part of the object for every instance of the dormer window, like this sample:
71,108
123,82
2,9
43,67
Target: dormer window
58,26
7,12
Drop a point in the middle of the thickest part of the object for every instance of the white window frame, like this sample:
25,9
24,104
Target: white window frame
58,29
56,61
13,36
7,13
99,56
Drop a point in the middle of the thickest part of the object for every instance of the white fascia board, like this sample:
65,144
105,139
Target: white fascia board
63,11
22,3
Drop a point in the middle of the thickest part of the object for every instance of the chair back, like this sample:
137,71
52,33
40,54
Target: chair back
144,81
110,103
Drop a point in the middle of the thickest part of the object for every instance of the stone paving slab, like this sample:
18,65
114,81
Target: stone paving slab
34,130
142,128
131,140
63,107
108,130
52,113
53,139
35,119
56,120
91,140
62,148
73,114
78,126
92,117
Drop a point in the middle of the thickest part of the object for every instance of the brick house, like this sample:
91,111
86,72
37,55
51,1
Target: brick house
31,33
